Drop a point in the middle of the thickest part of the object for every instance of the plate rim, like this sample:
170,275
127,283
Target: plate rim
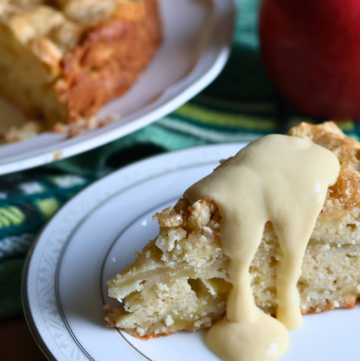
26,306
163,158
152,112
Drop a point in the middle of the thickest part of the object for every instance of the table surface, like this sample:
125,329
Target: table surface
17,343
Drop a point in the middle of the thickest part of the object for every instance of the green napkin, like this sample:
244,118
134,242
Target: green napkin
239,106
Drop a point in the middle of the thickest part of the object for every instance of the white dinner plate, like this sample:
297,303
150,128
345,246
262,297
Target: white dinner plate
95,236
197,37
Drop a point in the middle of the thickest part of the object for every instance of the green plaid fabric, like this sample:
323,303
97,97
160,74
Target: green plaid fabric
241,105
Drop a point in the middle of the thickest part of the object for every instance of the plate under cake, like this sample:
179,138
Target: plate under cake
180,280
65,59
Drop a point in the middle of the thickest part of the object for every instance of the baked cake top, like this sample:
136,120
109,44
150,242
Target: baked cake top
345,193
342,202
50,28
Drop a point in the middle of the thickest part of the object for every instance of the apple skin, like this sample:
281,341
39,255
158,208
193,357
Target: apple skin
311,50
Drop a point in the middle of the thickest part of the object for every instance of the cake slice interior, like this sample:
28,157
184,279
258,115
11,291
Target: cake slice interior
180,280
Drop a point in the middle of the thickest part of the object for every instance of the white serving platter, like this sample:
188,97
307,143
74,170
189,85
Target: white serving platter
197,38
96,235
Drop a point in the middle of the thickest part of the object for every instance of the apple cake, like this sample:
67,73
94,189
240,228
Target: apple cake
180,279
64,59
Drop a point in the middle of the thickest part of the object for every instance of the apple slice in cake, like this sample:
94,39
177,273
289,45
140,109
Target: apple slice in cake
180,279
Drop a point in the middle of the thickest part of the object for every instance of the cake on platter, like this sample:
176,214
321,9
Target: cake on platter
65,59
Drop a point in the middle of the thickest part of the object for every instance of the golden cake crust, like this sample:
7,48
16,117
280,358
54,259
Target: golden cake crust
344,194
108,59
85,52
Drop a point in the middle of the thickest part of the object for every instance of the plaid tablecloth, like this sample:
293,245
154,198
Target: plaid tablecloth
241,105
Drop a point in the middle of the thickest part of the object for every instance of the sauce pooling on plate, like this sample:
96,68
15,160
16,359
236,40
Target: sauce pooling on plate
279,179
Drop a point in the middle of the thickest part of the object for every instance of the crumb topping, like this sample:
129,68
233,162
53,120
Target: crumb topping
345,193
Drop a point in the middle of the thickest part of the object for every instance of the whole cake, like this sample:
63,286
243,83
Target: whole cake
180,280
64,59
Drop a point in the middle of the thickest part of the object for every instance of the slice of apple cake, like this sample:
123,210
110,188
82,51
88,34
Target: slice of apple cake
180,279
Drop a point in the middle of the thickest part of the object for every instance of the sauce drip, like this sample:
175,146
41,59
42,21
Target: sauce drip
279,179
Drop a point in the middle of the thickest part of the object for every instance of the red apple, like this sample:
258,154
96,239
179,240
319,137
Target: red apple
311,49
